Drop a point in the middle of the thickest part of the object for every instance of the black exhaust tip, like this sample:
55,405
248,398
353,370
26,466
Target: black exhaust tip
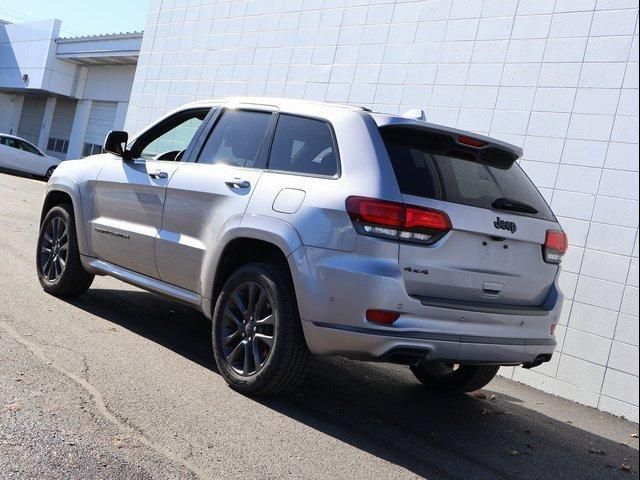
540,359
405,356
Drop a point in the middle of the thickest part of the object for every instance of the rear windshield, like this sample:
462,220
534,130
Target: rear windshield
442,177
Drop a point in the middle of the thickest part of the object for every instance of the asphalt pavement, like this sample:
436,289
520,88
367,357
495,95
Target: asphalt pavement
120,384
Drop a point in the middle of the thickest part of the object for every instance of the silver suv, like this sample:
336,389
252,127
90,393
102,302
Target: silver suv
305,228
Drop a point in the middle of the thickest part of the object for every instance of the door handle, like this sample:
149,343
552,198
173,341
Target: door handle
492,290
158,174
238,183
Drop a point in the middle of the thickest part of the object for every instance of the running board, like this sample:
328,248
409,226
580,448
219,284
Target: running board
100,267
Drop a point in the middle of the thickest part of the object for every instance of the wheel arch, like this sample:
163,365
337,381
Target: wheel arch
242,251
50,166
59,194
53,198
258,239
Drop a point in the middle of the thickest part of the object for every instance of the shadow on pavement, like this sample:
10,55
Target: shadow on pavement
18,173
382,410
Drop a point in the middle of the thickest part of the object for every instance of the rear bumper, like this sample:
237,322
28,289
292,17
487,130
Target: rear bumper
335,289
411,346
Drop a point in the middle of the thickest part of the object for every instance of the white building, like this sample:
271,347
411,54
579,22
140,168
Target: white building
64,94
558,77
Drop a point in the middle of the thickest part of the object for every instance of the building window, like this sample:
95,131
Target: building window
91,149
58,145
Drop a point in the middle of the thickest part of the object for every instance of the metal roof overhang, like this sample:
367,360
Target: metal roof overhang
100,58
117,49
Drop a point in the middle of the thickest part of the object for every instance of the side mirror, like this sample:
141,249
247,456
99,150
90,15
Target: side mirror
116,143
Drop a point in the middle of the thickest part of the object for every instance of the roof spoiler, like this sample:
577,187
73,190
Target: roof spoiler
453,143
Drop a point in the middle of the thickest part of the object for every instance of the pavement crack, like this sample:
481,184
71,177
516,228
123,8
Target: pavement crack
99,401
85,363
189,446
85,368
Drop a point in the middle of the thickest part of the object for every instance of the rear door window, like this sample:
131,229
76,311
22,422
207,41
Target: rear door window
303,145
237,139
27,148
441,177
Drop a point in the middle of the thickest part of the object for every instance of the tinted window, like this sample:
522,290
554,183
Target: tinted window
170,139
451,179
303,145
237,139
9,142
27,147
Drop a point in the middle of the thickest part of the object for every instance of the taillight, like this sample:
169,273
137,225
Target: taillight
398,221
556,245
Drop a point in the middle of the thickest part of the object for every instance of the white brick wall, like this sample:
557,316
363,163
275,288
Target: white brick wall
559,77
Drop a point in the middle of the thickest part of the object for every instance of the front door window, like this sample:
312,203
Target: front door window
169,139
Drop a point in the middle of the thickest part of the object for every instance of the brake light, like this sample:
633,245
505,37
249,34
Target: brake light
556,245
382,317
472,142
375,212
399,221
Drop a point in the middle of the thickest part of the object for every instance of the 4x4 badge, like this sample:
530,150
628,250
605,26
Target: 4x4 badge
422,271
505,225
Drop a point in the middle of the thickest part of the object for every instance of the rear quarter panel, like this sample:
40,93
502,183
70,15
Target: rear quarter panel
320,218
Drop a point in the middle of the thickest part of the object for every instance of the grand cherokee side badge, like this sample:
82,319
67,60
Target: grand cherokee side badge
505,225
112,233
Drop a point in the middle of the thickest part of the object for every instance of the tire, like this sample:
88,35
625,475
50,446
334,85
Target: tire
444,378
47,175
60,275
248,361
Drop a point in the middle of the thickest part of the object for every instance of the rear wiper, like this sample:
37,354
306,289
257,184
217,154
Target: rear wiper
513,205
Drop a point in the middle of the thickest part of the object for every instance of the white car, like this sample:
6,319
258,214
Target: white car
18,154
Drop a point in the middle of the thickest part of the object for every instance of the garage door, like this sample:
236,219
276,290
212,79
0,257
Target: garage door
61,124
31,118
101,119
